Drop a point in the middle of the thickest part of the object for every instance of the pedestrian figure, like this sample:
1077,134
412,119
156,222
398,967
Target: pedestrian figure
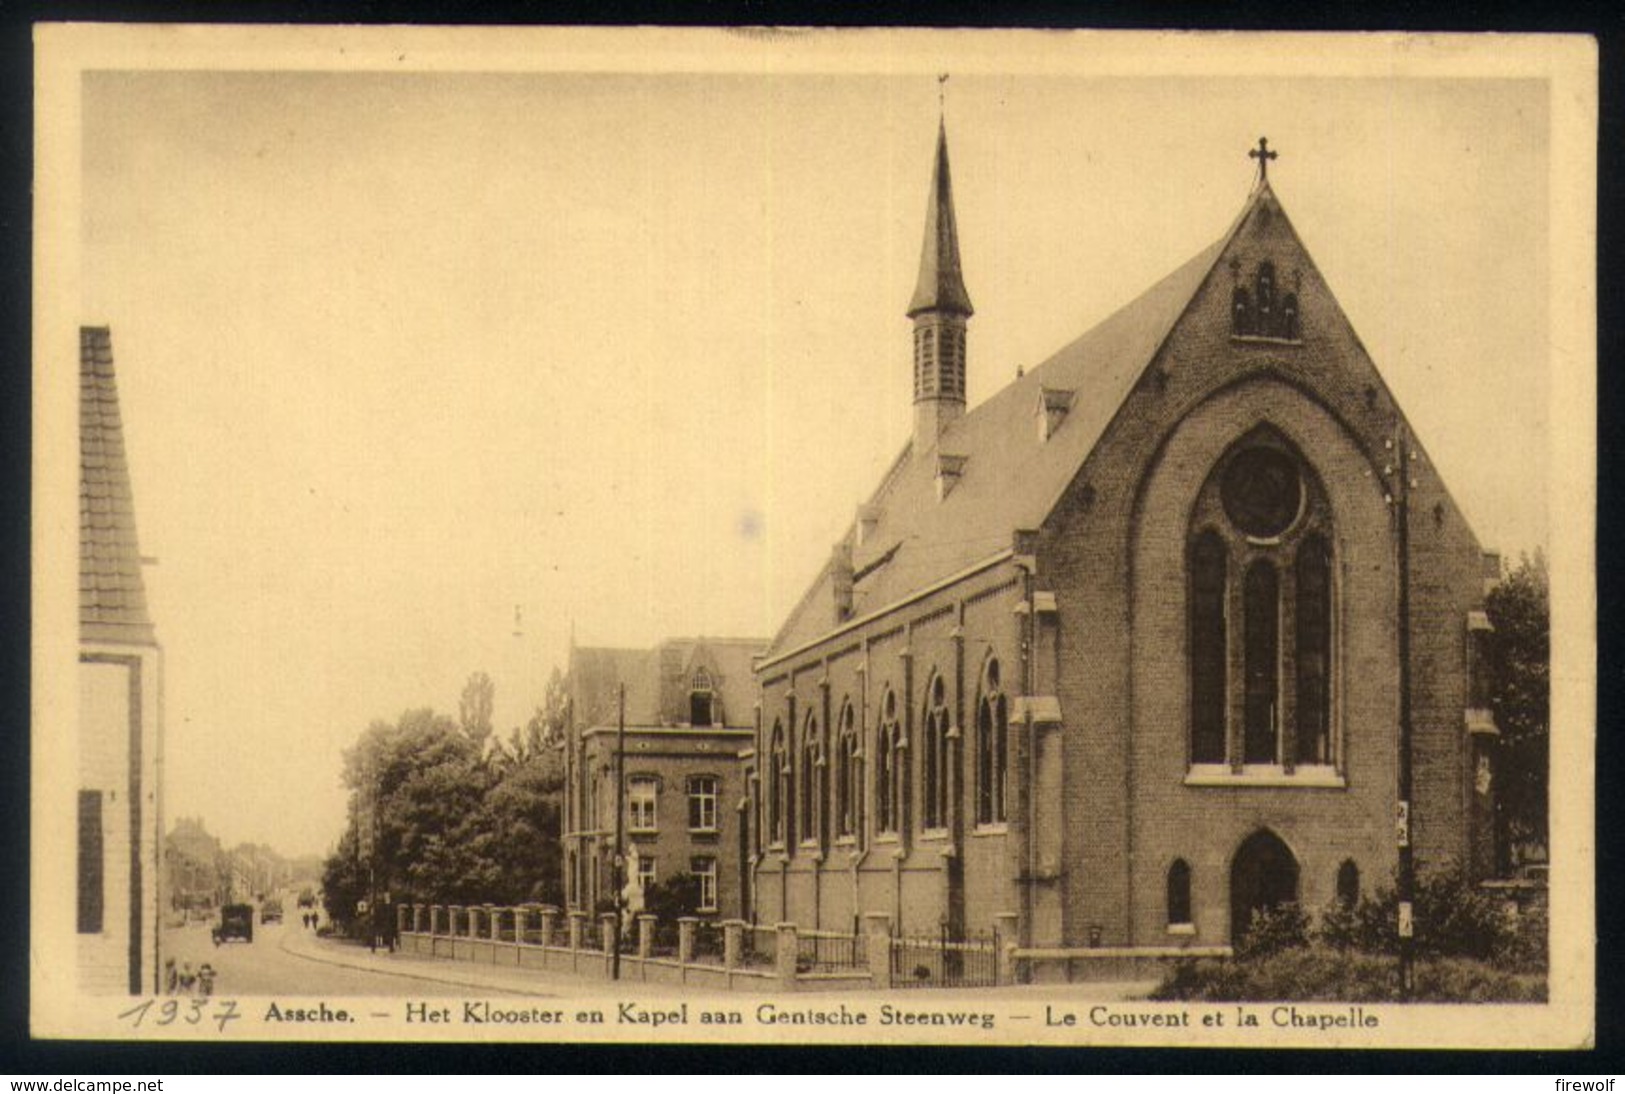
188,978
205,980
171,977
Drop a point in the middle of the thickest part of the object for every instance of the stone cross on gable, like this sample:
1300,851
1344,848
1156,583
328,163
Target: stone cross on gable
1263,155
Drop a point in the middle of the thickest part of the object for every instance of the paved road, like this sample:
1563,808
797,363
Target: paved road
270,965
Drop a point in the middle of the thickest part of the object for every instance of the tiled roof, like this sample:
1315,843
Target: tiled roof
1010,479
112,597
657,680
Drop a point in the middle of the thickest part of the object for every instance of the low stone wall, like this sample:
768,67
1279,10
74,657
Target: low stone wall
540,937
1102,964
543,938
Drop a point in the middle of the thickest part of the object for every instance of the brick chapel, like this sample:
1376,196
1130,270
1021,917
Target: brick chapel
1112,658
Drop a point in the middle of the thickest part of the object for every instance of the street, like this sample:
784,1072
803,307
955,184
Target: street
286,959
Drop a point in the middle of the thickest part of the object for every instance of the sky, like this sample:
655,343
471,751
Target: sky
401,355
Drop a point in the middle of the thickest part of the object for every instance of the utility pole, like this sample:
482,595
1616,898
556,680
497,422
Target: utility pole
1400,470
372,866
620,830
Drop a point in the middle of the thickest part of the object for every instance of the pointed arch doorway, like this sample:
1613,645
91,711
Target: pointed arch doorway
1264,874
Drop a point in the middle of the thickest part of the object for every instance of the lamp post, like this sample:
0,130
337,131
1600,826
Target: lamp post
620,830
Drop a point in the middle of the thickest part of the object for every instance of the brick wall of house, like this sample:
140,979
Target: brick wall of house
671,757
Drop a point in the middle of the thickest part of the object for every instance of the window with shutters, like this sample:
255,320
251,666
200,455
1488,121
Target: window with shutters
91,865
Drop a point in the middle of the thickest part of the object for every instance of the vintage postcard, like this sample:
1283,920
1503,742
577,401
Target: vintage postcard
814,537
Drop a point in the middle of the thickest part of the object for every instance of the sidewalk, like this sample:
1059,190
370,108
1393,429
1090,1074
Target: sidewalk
477,978
508,980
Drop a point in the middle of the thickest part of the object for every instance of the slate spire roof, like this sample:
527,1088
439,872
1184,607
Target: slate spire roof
112,597
940,287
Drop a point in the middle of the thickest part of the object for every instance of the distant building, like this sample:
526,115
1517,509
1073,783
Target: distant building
690,709
118,866
1113,658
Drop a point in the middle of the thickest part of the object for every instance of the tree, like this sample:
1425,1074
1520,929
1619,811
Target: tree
474,709
1519,672
442,811
344,879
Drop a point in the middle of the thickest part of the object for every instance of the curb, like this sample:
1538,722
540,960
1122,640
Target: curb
424,975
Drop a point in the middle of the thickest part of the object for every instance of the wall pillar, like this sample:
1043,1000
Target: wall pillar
733,931
550,919
1006,927
784,963
646,935
578,928
454,920
686,926
877,948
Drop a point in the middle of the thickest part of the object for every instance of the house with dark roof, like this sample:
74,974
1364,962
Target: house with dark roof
117,804
673,720
1121,656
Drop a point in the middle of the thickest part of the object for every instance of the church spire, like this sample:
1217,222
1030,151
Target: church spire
939,309
941,286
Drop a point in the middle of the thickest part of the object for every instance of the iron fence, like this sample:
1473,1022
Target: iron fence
826,951
708,942
665,940
946,961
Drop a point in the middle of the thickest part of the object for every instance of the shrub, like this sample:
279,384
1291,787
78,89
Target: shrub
1273,930
1453,919
1526,946
1320,974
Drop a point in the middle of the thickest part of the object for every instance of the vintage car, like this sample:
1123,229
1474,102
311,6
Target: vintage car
236,921
271,911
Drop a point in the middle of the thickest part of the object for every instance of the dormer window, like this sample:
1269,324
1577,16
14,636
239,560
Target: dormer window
1053,404
701,699
868,522
949,471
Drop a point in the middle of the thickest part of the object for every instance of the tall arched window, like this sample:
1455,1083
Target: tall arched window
888,799
934,775
1179,893
1314,647
1266,297
1260,604
812,763
777,784
848,780
1261,625
992,737
1241,311
1208,654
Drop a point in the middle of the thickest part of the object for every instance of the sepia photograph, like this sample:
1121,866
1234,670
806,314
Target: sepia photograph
795,536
